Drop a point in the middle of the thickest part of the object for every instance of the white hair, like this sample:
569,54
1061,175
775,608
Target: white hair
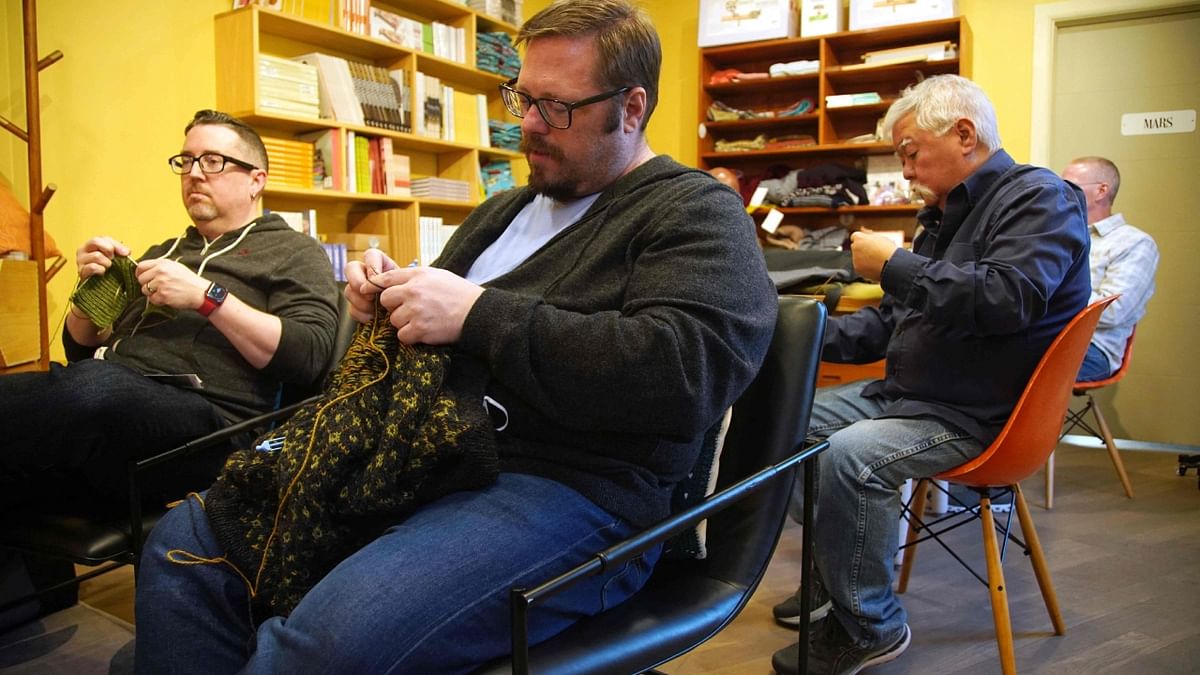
939,102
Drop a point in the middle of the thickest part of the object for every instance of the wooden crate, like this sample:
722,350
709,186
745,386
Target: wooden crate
19,324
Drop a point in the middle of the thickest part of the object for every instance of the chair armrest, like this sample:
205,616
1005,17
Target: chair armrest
192,446
220,435
522,599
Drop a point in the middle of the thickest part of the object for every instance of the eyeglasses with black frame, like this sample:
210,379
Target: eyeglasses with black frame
210,162
556,113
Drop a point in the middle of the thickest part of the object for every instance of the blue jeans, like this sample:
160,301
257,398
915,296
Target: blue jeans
429,595
1095,365
857,514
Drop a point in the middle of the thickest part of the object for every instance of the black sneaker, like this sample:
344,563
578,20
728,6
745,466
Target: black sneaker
832,652
787,613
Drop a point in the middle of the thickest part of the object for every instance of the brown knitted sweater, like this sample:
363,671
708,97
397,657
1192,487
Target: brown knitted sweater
386,436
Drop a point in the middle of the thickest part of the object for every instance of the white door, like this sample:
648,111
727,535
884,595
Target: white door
1104,68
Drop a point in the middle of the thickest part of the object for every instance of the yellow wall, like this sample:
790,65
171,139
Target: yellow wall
134,72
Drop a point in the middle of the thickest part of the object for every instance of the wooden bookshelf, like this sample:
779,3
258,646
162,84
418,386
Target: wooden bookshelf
242,35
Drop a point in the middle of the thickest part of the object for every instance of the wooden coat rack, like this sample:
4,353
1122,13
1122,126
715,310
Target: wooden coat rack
39,196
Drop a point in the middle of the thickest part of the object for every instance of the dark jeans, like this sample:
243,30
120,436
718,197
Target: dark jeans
69,434
1095,366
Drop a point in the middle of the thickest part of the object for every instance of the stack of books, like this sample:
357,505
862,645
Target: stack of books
494,52
291,162
505,10
441,188
497,177
506,135
287,87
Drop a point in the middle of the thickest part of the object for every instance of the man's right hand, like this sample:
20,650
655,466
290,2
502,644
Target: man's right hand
360,292
96,255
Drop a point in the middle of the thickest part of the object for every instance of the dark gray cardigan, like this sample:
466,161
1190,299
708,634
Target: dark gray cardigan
617,344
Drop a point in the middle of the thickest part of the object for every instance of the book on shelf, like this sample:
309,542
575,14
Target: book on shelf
350,161
402,89
929,51
441,188
338,255
433,234
338,98
304,222
399,30
505,10
427,106
397,170
328,158
362,164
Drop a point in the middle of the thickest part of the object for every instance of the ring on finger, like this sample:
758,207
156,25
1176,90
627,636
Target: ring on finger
150,289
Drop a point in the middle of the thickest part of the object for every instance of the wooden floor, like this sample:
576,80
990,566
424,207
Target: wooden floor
1127,573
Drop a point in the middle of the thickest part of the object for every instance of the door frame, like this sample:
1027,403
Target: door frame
1047,19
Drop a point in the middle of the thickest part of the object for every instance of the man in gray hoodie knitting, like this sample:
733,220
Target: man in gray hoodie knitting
242,302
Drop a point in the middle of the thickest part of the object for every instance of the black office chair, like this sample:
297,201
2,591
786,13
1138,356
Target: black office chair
686,602
108,540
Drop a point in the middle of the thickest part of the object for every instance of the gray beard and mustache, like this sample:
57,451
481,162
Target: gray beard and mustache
923,192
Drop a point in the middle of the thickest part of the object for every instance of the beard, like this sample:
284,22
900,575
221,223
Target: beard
563,188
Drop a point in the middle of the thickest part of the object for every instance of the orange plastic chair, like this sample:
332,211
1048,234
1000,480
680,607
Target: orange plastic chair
1076,418
1028,437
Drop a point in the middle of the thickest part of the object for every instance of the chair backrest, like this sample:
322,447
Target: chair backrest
344,334
687,601
1081,387
1033,426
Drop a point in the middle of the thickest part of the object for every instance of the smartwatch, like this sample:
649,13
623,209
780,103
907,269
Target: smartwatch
213,298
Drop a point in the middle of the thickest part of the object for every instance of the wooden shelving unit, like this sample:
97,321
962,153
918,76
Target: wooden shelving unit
840,72
243,34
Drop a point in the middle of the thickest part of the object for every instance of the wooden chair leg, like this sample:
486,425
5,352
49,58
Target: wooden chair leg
997,589
1112,450
914,527
1050,481
1040,569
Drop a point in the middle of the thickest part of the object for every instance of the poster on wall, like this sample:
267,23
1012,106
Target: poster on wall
724,22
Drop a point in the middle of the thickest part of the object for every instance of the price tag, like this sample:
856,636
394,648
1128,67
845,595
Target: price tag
772,221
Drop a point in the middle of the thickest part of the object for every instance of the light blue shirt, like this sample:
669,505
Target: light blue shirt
534,225
1123,260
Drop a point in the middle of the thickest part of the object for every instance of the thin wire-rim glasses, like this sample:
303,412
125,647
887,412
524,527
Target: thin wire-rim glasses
182,163
552,110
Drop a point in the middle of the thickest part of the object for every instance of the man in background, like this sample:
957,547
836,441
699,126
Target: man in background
998,270
1123,261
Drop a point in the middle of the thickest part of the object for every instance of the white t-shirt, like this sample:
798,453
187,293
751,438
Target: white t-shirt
533,226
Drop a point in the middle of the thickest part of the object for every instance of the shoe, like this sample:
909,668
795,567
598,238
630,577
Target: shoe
832,652
787,613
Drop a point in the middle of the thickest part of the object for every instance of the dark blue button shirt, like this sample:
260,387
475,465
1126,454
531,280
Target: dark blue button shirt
967,314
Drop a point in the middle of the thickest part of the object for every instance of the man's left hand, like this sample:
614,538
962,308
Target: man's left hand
870,251
427,305
170,284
